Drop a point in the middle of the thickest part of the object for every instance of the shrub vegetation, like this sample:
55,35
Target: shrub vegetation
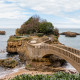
37,25
56,76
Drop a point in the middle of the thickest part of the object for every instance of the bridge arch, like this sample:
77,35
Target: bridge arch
68,59
47,55
39,51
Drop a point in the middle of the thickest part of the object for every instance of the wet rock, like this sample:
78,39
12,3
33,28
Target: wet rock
71,71
16,58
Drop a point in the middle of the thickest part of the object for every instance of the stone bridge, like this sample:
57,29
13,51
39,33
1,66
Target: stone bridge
41,50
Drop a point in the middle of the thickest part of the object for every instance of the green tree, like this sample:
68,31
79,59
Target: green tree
56,32
46,28
37,25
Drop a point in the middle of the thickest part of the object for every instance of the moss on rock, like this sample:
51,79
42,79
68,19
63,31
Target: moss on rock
8,63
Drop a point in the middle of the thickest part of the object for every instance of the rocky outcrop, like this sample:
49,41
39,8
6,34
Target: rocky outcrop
70,34
42,66
15,43
2,32
13,46
8,63
21,47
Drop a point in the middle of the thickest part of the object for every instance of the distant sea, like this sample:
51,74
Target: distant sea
3,41
69,41
3,45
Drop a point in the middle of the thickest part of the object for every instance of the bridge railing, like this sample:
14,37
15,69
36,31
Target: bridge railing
73,50
67,53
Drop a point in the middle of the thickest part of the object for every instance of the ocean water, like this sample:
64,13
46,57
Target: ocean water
3,41
3,44
69,41
4,38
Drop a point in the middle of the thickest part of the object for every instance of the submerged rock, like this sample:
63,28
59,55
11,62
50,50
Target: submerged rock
70,34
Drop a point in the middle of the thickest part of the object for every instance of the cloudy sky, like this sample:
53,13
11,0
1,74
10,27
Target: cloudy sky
62,13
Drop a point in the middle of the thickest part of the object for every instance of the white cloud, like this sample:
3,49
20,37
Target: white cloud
66,25
55,7
11,11
77,21
52,6
18,9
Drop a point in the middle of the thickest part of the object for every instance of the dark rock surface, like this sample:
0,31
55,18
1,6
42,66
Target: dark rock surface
70,34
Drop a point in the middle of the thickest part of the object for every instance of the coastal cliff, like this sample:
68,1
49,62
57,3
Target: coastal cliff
20,46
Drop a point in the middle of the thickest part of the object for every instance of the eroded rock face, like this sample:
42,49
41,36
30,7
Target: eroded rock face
42,66
56,61
2,32
22,48
70,34
13,46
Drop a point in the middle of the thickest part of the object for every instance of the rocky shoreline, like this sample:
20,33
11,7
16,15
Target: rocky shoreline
23,71
38,68
32,72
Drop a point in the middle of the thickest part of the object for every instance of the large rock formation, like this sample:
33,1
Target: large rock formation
2,32
70,34
19,45
15,43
